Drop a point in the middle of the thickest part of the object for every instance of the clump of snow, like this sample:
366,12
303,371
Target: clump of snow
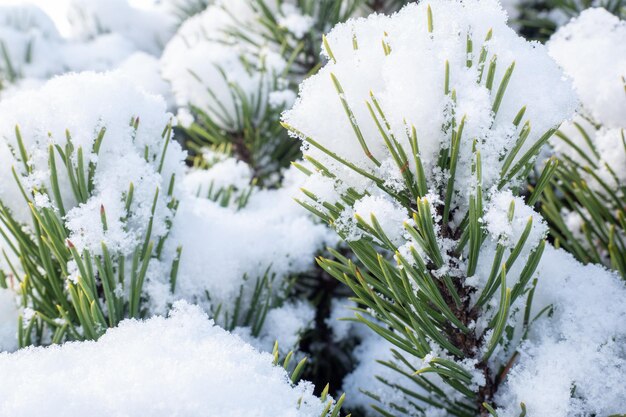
599,148
408,83
341,308
223,246
182,365
294,21
224,172
389,215
591,50
574,359
145,72
285,324
508,233
29,39
147,29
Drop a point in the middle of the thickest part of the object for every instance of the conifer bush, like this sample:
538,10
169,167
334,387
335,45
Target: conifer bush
421,176
456,246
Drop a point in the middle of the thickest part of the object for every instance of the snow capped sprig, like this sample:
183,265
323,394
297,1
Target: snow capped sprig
234,93
87,201
426,128
587,203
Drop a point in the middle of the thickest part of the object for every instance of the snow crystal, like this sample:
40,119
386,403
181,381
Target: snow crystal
182,365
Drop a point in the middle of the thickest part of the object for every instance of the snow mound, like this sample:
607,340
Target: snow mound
182,365
592,51
225,249
407,79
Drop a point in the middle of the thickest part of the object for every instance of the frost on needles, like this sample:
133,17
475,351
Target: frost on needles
422,129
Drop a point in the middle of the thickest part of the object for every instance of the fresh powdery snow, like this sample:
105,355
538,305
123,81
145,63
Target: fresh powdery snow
409,86
225,248
592,51
162,63
203,65
183,365
79,106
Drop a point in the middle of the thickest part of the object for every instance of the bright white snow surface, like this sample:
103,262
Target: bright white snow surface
179,366
592,51
409,85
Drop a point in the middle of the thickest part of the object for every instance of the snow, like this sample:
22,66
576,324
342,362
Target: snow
145,72
508,233
294,21
27,33
409,85
285,325
270,232
580,346
183,365
340,308
591,50
83,104
202,65
147,29
225,172
572,360
390,216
